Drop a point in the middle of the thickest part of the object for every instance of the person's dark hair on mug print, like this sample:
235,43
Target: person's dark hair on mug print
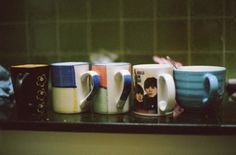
150,98
138,97
139,93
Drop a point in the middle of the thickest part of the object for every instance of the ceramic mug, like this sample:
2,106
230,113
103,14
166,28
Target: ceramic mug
30,83
73,86
197,87
115,87
154,89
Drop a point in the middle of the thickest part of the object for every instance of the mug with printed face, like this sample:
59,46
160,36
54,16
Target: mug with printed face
30,82
199,87
154,89
115,87
73,86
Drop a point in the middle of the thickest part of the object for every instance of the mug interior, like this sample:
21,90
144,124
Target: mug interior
68,63
111,64
200,68
151,66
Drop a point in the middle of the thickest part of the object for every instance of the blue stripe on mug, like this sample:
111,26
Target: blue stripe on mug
199,86
126,78
95,84
63,76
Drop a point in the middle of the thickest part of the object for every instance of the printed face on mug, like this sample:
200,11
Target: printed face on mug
30,82
73,86
154,89
115,87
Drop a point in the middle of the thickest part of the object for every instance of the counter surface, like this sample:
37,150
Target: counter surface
221,122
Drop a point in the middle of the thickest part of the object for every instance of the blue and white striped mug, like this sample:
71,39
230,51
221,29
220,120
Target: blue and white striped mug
73,86
198,87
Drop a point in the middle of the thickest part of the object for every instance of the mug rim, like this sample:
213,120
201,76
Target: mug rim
70,63
111,64
29,66
152,66
199,68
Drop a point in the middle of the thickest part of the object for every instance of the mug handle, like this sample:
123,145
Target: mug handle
126,87
166,92
211,85
94,83
20,79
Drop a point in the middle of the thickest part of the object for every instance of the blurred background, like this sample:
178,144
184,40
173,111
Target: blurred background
195,32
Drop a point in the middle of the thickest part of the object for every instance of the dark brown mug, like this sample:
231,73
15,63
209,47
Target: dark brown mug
30,83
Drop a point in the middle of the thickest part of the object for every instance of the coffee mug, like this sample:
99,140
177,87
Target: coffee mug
73,86
30,83
197,87
154,89
115,87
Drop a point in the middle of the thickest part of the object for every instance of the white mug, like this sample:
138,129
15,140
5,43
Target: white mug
154,89
115,87
73,86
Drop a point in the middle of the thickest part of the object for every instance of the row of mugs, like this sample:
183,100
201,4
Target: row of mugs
107,87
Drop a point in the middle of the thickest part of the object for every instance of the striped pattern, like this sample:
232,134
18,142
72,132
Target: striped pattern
193,88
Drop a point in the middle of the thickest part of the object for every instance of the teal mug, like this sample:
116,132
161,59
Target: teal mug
199,87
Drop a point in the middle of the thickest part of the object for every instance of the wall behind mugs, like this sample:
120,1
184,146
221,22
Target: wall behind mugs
191,31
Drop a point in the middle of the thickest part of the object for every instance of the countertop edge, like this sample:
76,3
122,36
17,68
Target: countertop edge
141,128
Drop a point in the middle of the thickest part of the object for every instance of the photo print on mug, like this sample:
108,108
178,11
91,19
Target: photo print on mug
154,89
145,93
